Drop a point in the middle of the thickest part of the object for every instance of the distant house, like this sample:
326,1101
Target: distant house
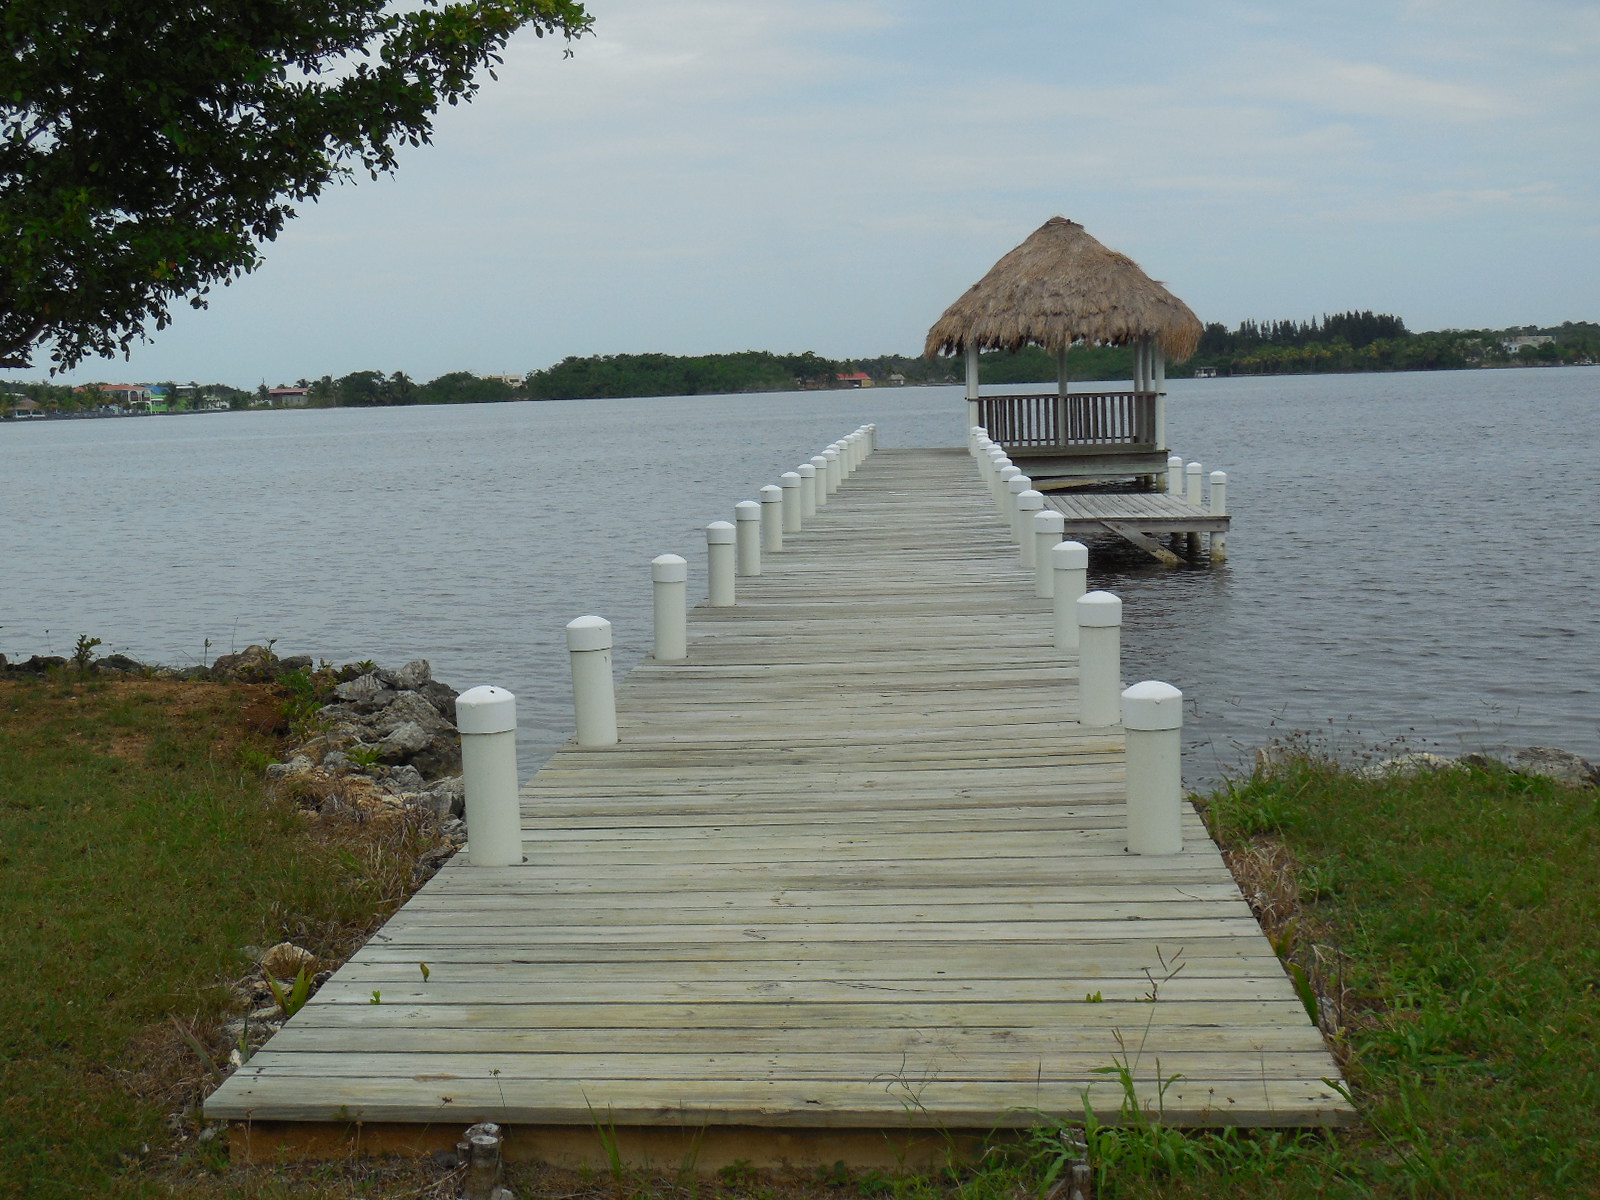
125,393
897,380
512,381
1205,372
288,397
858,379
20,407
1512,345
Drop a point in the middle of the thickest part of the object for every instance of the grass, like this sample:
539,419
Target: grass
139,855
1441,927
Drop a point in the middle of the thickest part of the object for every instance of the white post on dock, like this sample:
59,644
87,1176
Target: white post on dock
719,564
974,440
1069,563
771,519
1002,486
1192,494
1152,714
1099,660
1047,531
487,719
819,491
1175,475
1219,508
1015,486
974,417
808,489
830,460
669,578
1029,504
594,691
747,537
872,436
793,505
1161,397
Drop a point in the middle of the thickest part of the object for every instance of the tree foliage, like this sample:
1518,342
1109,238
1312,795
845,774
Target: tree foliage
147,150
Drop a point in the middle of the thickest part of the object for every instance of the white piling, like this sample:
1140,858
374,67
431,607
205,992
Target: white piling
1029,504
669,578
1002,497
487,719
830,461
1192,493
1219,508
1047,532
1175,475
747,537
808,489
1015,486
594,692
820,461
1152,714
1069,563
720,564
1099,659
793,504
771,519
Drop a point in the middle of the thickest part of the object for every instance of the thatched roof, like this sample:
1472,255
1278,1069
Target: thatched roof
1061,286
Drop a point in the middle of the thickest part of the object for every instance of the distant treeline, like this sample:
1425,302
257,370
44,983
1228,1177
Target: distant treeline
1343,342
1367,341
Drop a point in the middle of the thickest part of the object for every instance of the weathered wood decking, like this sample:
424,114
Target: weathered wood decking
852,871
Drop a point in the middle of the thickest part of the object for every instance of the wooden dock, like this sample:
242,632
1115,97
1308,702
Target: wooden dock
852,883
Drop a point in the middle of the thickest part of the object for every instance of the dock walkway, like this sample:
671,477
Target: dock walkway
853,871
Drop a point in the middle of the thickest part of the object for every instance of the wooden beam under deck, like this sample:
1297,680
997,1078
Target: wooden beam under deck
853,882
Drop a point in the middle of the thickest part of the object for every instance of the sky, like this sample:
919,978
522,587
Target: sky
719,175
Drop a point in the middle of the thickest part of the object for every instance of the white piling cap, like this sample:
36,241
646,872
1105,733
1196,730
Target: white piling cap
669,568
1152,705
486,710
747,510
819,462
1029,498
772,493
789,479
1048,520
1099,610
1219,478
1019,483
1069,556
589,633
719,533
1174,460
1194,468
976,431
806,471
832,452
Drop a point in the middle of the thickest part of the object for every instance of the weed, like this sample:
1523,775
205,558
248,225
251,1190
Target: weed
295,998
83,653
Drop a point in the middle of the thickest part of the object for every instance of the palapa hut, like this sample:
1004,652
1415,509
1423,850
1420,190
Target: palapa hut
1059,287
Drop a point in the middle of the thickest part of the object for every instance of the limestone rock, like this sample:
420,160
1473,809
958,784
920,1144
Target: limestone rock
1563,766
403,741
286,960
413,675
365,693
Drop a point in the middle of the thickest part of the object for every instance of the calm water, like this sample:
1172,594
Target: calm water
1412,555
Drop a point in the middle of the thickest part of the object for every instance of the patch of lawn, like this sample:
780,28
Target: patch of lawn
139,853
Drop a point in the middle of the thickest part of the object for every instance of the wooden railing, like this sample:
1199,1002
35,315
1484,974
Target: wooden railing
1112,419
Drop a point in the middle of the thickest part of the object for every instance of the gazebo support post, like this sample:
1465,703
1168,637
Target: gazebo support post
1159,386
972,385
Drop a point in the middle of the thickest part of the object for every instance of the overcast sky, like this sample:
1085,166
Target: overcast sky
828,175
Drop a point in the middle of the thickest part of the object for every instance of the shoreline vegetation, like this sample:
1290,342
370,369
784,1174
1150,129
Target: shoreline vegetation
1343,343
159,828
